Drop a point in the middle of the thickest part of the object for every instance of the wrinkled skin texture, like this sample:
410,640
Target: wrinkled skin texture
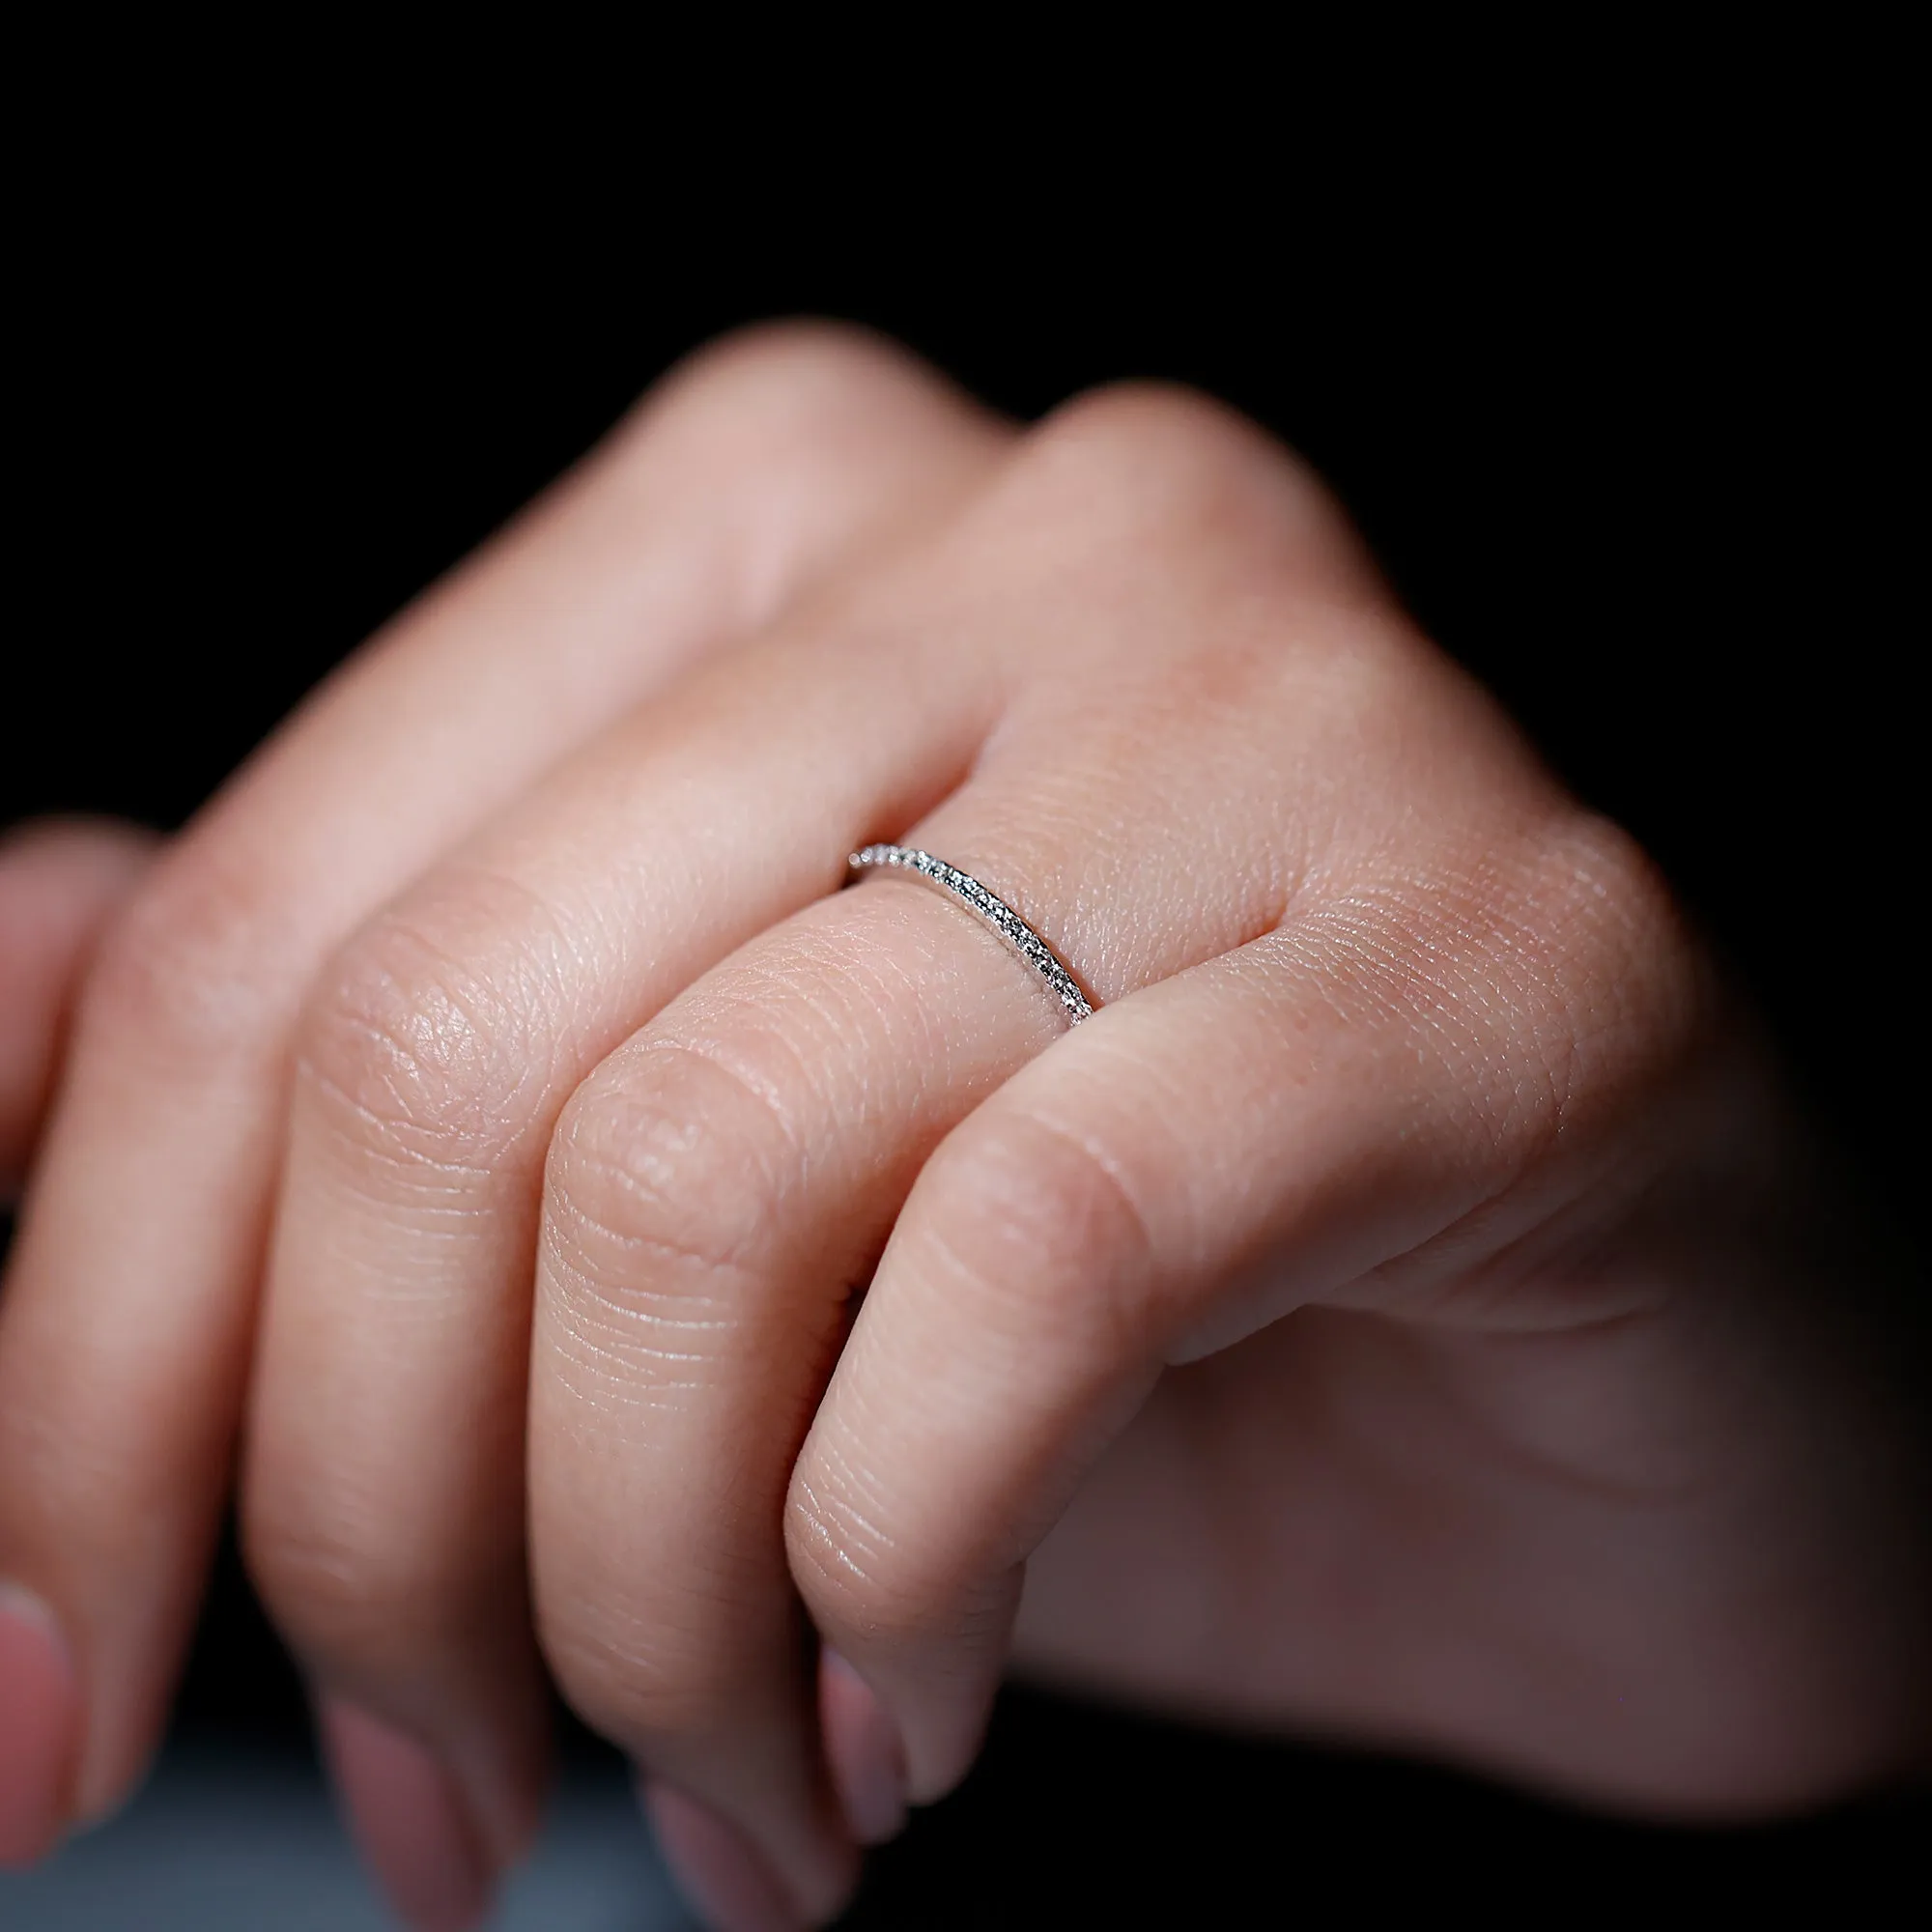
1407,1310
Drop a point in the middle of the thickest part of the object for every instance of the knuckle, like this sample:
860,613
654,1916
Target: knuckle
803,414
864,1561
773,372
425,1051
1164,456
849,1566
1149,419
808,434
667,1169
1549,976
1620,978
185,971
628,1683
344,1576
1042,1227
1175,492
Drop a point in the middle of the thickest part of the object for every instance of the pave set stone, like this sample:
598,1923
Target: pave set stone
994,910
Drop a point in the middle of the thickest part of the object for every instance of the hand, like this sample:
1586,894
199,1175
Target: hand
1382,1316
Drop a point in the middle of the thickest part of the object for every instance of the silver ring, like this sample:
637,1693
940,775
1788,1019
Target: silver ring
994,910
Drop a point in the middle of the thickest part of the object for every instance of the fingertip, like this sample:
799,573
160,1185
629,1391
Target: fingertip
723,1877
411,1820
863,1751
40,1726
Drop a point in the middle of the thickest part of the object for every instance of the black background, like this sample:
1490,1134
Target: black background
1622,415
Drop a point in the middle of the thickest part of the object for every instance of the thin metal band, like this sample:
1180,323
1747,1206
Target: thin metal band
994,910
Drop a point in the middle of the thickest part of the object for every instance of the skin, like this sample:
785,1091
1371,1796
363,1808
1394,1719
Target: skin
1407,1310
60,883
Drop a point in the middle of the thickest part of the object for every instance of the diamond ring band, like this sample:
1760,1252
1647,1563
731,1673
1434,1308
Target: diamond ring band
991,907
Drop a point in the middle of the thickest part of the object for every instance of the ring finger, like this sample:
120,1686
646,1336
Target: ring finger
725,1180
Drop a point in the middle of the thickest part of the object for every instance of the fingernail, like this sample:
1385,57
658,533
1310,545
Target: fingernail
721,1873
40,1728
863,1748
408,1816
